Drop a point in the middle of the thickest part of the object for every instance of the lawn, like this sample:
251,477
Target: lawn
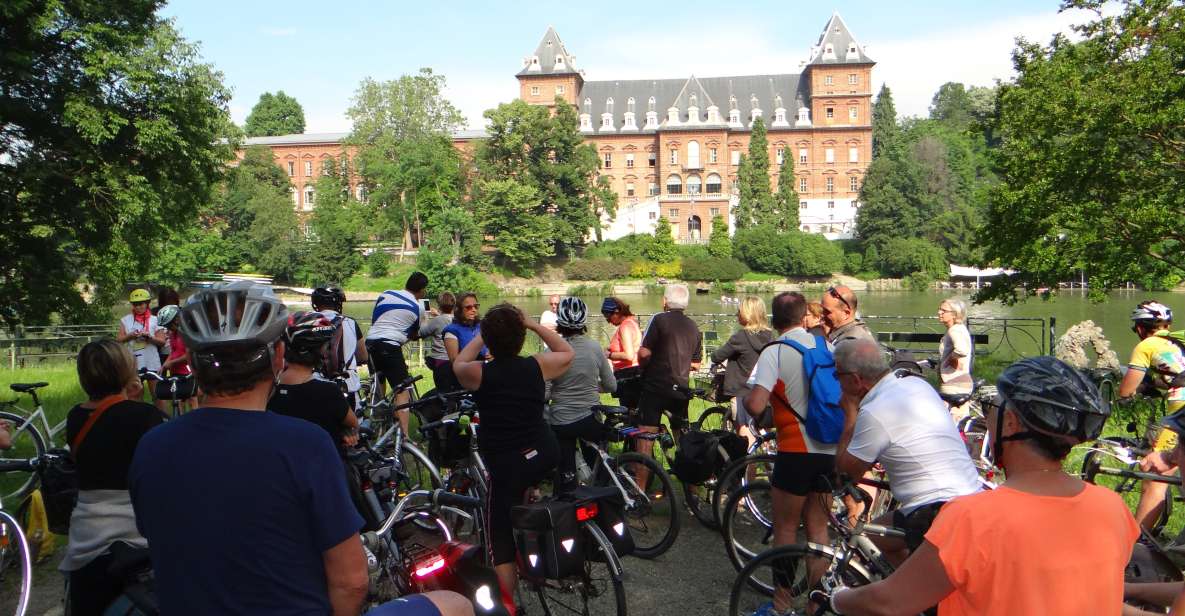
395,279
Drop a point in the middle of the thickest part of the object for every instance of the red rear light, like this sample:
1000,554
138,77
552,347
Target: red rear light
430,567
586,512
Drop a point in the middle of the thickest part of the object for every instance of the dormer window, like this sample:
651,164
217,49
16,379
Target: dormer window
650,104
629,104
693,101
588,105
734,117
559,61
732,102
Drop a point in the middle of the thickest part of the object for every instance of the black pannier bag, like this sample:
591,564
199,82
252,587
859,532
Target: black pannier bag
698,456
59,489
610,517
448,444
548,539
629,386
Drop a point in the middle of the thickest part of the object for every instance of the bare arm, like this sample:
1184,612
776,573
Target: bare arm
847,463
345,576
920,583
452,346
360,353
159,338
123,335
350,434
608,381
756,401
1131,382
466,366
556,362
5,434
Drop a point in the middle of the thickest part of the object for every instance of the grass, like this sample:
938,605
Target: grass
396,277
760,277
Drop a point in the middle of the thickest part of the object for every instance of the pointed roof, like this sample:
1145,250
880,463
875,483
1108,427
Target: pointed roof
834,44
692,87
543,61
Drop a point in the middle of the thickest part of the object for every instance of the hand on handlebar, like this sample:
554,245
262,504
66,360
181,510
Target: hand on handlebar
1156,462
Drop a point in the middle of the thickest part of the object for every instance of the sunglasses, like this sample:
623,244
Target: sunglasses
471,307
833,293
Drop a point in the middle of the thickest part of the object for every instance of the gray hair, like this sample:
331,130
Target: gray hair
958,308
862,357
677,296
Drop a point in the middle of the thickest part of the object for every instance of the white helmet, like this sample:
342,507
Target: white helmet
166,314
1150,311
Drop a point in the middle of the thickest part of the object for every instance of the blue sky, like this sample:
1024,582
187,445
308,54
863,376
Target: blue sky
320,51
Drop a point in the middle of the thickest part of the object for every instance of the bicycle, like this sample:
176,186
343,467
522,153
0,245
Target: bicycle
14,546
173,382
757,465
1126,452
28,440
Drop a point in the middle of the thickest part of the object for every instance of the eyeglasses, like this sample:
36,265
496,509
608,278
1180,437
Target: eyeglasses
944,311
833,293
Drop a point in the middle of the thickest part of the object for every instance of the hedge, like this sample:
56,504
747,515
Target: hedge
597,269
713,268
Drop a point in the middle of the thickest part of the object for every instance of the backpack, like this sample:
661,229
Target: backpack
824,418
334,363
698,455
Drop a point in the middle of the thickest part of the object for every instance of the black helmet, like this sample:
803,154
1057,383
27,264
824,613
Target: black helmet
231,317
572,314
329,297
1053,398
306,336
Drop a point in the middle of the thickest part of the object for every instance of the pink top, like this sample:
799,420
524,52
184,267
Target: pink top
177,349
616,345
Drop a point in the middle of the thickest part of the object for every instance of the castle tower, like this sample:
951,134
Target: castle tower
840,78
550,72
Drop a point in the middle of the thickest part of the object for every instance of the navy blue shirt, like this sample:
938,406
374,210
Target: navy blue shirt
238,507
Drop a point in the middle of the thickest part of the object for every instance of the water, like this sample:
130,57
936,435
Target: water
1067,308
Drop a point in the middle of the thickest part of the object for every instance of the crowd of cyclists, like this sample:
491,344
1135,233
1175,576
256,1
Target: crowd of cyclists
244,506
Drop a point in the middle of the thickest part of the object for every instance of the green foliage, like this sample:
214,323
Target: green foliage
275,114
853,263
629,248
789,253
900,257
274,239
454,277
756,203
919,281
597,269
712,268
509,211
1092,154
585,290
338,227
112,139
885,132
378,264
719,244
692,251
670,269
662,249
761,248
785,213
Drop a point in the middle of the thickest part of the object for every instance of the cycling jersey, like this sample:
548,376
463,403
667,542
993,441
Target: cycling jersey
396,317
779,371
1164,360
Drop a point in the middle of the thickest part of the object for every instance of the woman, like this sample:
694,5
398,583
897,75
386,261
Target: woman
299,393
574,393
176,364
103,433
957,353
438,359
141,333
465,327
518,448
627,338
813,321
741,351
1043,543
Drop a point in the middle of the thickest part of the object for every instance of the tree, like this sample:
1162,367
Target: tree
604,204
274,239
763,249
509,210
662,249
901,257
338,228
756,202
884,123
811,255
411,107
719,244
951,104
275,114
1091,157
111,139
785,214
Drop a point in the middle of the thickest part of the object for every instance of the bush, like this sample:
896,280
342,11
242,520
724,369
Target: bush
761,248
641,269
662,249
811,254
853,263
378,264
919,281
628,248
713,268
901,257
674,269
692,251
591,289
597,269
719,244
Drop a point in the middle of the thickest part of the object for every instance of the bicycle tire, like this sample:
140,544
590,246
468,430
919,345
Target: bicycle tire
14,551
27,442
659,501
716,418
1089,472
420,474
734,477
589,586
747,523
750,590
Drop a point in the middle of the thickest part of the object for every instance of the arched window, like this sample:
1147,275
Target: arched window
693,184
693,154
674,185
694,226
629,104
693,101
650,104
714,184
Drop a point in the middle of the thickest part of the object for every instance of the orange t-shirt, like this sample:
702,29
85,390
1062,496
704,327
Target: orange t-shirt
616,345
1009,552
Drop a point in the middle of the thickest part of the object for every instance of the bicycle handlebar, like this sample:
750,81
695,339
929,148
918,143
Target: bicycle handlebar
451,499
12,465
1130,474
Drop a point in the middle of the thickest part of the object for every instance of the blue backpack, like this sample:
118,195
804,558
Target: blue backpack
824,418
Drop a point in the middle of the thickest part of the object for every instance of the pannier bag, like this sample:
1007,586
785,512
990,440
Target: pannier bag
629,386
548,539
610,517
448,443
698,456
59,489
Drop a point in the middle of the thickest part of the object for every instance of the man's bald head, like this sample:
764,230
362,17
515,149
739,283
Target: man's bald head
839,306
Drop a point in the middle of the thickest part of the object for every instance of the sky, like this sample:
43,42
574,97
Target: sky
320,51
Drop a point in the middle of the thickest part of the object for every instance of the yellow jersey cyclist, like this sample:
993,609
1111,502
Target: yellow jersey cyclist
1156,360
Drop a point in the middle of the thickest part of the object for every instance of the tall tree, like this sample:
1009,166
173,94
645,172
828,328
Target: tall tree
411,107
785,214
756,199
110,134
952,104
337,227
662,249
509,211
884,123
719,243
275,114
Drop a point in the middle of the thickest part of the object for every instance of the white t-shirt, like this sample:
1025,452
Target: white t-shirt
956,343
396,317
905,426
548,319
147,354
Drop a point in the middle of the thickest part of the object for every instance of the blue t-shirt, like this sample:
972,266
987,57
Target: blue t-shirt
238,507
464,335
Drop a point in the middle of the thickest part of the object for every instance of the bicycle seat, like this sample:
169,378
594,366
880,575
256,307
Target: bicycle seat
690,392
607,409
955,399
27,387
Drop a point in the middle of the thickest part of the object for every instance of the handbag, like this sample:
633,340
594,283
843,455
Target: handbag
58,473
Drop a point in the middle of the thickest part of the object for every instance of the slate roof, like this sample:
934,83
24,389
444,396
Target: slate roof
837,35
549,47
316,138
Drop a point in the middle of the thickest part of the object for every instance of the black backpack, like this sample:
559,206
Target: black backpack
699,454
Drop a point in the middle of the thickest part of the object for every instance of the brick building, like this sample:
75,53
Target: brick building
671,147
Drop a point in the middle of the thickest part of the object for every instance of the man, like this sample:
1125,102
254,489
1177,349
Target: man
328,301
1160,593
1156,360
395,321
803,468
245,511
550,316
902,423
839,313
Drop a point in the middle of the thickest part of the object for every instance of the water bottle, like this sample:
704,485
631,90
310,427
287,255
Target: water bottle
583,472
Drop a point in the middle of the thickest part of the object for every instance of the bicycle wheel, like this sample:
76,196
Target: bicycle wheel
419,473
598,591
789,564
747,523
27,442
736,474
16,567
716,418
654,516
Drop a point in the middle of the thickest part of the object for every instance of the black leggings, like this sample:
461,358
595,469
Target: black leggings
587,429
511,474
91,589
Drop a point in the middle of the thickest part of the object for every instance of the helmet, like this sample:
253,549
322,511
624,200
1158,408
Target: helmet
306,336
139,295
234,315
166,314
1053,398
1150,311
329,297
573,314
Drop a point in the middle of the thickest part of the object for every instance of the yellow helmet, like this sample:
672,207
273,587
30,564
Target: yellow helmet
139,295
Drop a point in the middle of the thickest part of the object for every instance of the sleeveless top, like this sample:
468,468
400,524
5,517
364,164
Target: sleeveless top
616,345
510,402
145,353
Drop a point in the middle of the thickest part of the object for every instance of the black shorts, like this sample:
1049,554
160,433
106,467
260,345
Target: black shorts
917,523
803,473
387,359
652,405
186,388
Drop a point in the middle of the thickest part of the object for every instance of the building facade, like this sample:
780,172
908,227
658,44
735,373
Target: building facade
672,147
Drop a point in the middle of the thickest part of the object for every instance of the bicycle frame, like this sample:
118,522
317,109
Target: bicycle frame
30,419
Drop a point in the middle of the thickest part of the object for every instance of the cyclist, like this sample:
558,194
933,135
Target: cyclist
433,330
1155,360
329,301
957,352
1045,542
177,363
741,351
573,394
840,318
627,337
456,336
300,393
903,424
141,333
395,321
518,448
1161,593
245,511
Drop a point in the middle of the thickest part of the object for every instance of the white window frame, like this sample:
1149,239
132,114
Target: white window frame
831,205
802,156
719,183
802,185
674,156
308,168
829,184
735,155
802,205
830,112
853,184
534,90
693,154
629,189
291,168
607,160
780,155
559,89
853,155
853,79
712,155
653,188
853,113
652,160
653,215
827,80
694,184
829,155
